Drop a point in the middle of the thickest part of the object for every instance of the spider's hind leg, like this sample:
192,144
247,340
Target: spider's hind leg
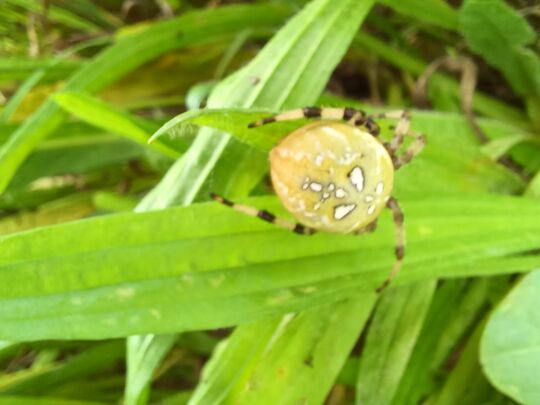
265,216
397,214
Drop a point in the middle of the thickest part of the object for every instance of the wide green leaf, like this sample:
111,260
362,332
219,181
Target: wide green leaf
390,339
206,266
510,347
500,35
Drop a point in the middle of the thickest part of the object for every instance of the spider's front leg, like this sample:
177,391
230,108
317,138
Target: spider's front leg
353,116
403,129
414,149
265,216
398,217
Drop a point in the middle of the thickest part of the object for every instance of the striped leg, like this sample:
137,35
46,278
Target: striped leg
397,213
414,149
367,229
402,127
351,115
265,216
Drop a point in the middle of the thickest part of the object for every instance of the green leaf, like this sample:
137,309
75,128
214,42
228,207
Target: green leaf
435,12
231,120
500,35
13,69
213,268
191,29
510,347
466,384
390,339
43,400
144,354
296,359
108,118
498,147
92,361
75,155
455,308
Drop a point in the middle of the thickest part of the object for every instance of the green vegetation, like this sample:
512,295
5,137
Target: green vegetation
120,282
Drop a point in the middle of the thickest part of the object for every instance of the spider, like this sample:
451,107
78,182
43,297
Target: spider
337,176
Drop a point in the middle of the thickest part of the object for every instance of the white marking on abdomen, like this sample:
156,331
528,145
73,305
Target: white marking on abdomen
316,187
369,198
356,177
341,193
371,209
341,211
379,188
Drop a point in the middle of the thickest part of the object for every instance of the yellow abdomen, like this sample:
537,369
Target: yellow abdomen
332,176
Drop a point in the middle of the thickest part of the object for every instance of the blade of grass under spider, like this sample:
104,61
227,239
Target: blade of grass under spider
456,306
191,29
305,351
393,332
145,353
213,268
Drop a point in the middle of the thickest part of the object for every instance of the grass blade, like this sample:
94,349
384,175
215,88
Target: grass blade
391,337
104,116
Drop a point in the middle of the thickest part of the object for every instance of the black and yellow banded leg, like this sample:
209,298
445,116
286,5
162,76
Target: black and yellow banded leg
367,229
397,214
351,115
401,129
414,149
265,216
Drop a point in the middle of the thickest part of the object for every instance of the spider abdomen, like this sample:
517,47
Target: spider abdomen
332,176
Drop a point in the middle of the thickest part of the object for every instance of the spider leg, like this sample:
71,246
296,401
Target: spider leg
397,214
367,229
351,115
402,128
414,149
265,216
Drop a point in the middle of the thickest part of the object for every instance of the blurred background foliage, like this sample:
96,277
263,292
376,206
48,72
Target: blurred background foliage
161,297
